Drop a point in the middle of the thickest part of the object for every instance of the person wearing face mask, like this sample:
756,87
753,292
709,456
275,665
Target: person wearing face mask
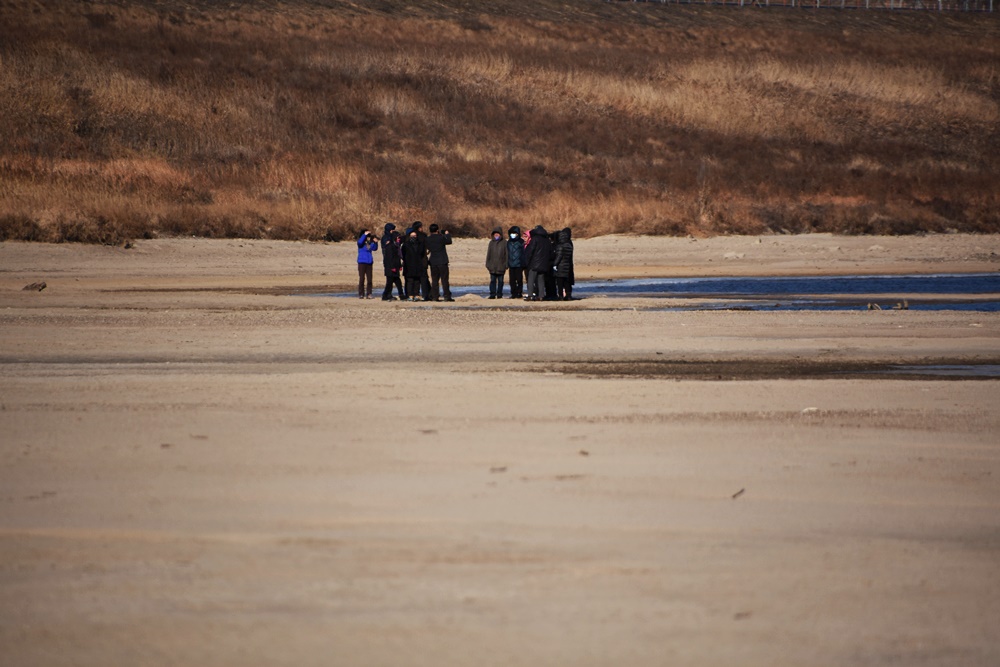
515,262
496,262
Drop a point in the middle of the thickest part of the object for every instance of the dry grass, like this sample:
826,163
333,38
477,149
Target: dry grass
310,120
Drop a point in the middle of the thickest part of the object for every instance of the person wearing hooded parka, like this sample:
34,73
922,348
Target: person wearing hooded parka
515,262
496,262
538,258
562,262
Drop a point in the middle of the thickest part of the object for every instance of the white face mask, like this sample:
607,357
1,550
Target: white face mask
513,236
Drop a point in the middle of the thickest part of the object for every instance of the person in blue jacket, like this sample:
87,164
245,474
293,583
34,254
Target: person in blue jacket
367,244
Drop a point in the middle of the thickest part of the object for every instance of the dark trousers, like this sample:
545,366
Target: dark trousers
536,284
364,274
425,284
496,285
440,274
412,286
516,278
564,289
389,282
550,286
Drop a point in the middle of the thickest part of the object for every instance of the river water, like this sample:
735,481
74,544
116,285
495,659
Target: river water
964,291
945,291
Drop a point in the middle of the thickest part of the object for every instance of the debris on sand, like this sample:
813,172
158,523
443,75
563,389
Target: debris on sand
34,287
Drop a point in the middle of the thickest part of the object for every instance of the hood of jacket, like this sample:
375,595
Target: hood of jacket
539,231
514,230
388,228
565,235
497,230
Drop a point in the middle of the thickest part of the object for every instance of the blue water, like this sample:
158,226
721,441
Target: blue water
922,292
815,292
976,370
948,283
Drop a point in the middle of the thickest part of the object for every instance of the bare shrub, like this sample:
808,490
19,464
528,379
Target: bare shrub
116,228
20,227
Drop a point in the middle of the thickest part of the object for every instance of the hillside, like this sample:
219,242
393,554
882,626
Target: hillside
313,119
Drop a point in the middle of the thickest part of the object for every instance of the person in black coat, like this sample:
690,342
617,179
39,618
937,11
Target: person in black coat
562,263
437,244
550,278
515,262
414,266
425,282
392,261
538,258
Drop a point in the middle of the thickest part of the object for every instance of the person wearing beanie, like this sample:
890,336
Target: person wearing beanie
367,244
437,247
515,262
496,262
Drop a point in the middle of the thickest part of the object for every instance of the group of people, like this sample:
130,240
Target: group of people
406,257
545,259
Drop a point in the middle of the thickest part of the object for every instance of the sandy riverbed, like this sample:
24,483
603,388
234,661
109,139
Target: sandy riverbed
200,467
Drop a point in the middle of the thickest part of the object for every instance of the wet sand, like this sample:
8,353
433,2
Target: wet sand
202,467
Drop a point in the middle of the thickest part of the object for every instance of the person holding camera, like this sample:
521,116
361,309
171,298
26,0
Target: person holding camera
367,244
437,244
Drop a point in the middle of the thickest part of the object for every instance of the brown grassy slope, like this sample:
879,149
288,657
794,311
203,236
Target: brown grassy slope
312,119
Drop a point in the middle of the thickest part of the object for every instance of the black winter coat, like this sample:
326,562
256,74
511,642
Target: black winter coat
414,256
436,246
392,257
562,258
538,256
